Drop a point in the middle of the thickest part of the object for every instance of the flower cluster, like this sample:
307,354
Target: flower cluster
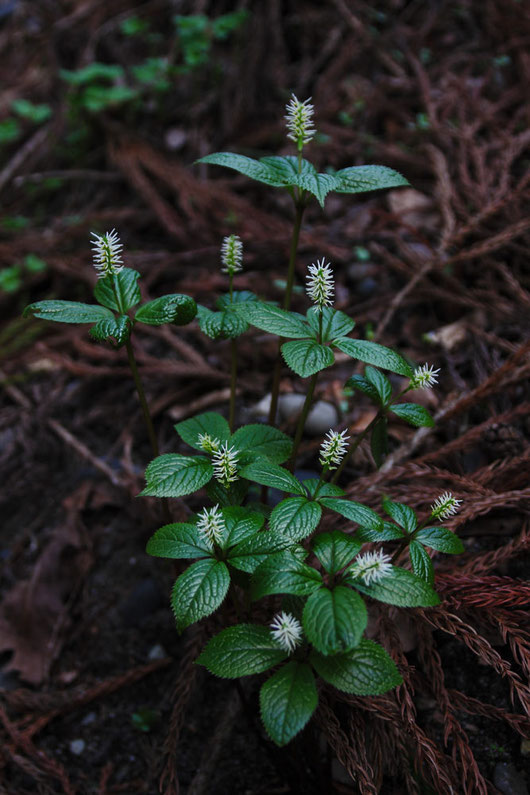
299,120
286,631
225,465
232,254
333,449
211,524
372,567
444,506
424,377
320,284
107,253
208,444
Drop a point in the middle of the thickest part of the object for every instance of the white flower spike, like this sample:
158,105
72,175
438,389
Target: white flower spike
211,524
424,377
444,506
320,284
208,444
333,449
299,120
286,631
107,253
225,465
372,567
232,254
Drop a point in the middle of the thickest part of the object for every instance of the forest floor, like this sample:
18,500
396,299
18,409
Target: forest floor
98,693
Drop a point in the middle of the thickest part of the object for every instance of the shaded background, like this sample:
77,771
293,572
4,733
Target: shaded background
103,109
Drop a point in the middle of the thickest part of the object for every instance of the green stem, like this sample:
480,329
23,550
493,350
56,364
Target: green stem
286,305
321,481
354,447
142,398
233,381
302,420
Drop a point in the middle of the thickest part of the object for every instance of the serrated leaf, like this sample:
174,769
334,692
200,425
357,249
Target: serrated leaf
381,384
221,325
379,441
295,517
354,511
415,415
211,423
359,179
112,328
285,573
324,490
401,588
307,357
373,353
125,284
401,514
231,496
68,312
238,297
334,620
199,591
263,440
178,309
173,475
421,562
335,549
366,670
241,523
361,384
390,532
334,323
178,540
317,184
287,701
266,473
441,539
268,317
252,552
241,651
255,169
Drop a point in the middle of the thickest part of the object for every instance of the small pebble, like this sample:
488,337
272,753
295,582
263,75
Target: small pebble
508,780
88,719
157,653
322,417
77,747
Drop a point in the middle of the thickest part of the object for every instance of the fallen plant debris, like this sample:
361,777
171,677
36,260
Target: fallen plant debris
435,93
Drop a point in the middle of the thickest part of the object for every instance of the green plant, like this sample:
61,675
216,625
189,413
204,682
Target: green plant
12,278
242,547
196,32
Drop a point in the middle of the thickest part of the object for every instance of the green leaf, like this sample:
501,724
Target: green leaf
117,328
255,169
334,620
389,533
284,573
287,701
94,71
401,588
241,524
233,495
373,353
178,541
211,423
172,475
274,320
325,490
68,312
401,514
295,517
354,511
34,113
334,323
125,284
227,301
263,440
177,309
335,550
317,184
421,562
379,441
413,414
221,325
251,553
366,670
199,591
241,651
441,539
361,384
359,179
381,384
307,357
266,473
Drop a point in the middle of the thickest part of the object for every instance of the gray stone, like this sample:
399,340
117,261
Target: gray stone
77,747
157,653
508,780
322,417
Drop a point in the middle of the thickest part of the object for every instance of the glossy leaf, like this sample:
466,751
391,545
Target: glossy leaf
373,353
334,323
402,515
221,325
263,440
415,415
360,179
380,383
268,317
125,284
366,670
199,591
287,701
307,357
354,511
178,540
112,329
334,620
172,475
441,539
68,312
295,517
266,473
241,651
241,524
209,423
335,549
401,588
252,552
421,562
177,309
285,573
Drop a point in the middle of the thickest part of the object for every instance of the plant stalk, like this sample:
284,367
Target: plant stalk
302,420
141,395
353,448
233,381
